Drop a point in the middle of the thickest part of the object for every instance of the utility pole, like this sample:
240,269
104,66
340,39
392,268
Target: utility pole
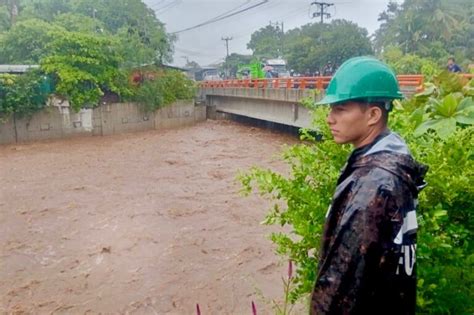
322,10
279,26
186,58
227,39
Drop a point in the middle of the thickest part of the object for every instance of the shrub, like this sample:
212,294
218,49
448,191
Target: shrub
163,89
84,66
22,95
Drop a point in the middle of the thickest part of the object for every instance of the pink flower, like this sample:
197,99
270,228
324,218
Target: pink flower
254,309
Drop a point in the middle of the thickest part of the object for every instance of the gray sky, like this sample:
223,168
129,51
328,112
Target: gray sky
205,45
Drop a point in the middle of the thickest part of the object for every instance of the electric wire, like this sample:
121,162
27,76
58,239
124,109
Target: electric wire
232,10
292,13
201,53
167,6
221,18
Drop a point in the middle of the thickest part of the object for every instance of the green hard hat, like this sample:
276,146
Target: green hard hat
362,78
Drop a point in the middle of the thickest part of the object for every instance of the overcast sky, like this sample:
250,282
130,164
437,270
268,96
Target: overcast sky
205,45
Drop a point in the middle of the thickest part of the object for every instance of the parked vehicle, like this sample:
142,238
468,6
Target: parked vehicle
278,67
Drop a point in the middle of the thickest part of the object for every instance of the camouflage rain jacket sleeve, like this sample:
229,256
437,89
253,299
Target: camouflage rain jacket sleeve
367,263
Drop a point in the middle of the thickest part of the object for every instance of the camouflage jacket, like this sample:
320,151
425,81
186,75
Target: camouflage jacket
367,262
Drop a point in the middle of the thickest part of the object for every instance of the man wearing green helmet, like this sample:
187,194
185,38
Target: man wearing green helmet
367,262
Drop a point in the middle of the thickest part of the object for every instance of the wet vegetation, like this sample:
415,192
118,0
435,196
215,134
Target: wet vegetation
86,49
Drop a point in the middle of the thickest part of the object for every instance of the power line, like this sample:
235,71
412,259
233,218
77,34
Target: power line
292,13
221,18
168,6
231,10
322,7
202,53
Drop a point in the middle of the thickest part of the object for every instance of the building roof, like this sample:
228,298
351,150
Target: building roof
16,68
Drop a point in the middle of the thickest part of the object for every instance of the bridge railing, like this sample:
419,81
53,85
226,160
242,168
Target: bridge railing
410,81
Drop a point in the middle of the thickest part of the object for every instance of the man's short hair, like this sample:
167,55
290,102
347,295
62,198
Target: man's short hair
380,104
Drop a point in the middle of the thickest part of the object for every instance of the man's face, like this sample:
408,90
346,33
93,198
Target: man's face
450,62
349,123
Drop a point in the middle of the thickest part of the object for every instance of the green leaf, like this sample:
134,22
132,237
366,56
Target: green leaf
423,128
464,117
440,213
448,106
466,103
428,90
445,127
417,116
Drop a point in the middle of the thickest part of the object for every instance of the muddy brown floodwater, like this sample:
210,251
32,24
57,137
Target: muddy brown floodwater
143,223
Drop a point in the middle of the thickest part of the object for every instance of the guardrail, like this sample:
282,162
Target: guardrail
405,80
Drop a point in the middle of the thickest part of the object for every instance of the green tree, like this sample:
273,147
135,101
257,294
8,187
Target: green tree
409,63
45,9
5,18
26,42
266,42
74,22
386,35
84,66
428,28
314,45
235,60
132,21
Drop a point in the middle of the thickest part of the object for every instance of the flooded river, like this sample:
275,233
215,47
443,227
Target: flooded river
143,223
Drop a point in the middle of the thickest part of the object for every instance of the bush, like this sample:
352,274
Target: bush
165,88
84,66
445,259
23,95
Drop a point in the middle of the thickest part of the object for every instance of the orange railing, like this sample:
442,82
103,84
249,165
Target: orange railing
288,83
406,81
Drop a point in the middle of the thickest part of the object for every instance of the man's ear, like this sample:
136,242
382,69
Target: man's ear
375,115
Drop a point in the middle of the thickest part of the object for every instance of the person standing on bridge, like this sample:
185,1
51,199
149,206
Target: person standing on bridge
452,66
367,259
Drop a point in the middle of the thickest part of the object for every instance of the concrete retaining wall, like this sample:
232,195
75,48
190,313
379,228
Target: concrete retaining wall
56,122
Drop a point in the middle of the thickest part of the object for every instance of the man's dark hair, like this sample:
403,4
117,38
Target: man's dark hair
452,59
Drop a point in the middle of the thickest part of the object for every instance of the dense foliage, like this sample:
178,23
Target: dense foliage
234,61
266,42
314,45
429,28
23,95
421,33
131,21
88,48
26,42
166,88
438,126
410,63
84,65
311,47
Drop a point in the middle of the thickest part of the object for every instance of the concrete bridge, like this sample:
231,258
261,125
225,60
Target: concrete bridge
275,100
